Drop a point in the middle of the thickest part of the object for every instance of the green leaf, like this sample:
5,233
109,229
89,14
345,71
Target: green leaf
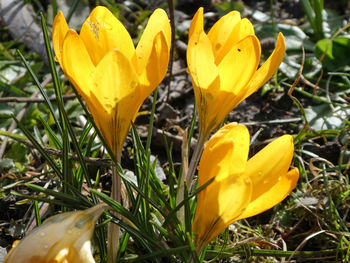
6,164
324,117
5,114
336,53
17,152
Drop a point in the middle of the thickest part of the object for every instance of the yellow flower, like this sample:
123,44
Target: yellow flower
240,188
111,75
62,238
223,66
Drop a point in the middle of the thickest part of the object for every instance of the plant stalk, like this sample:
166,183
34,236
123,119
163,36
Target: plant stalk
194,160
113,229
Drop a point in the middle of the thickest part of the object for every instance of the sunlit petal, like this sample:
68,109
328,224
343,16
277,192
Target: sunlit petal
227,149
266,71
221,31
59,31
278,155
205,78
61,238
200,58
115,83
239,65
224,158
218,205
157,65
196,23
276,194
77,65
103,32
240,30
157,23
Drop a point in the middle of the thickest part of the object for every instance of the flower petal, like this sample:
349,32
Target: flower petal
196,23
158,22
103,32
276,194
204,73
239,65
200,56
241,30
265,167
77,65
221,31
116,91
61,238
218,205
59,31
268,171
225,153
266,71
224,158
157,65
235,71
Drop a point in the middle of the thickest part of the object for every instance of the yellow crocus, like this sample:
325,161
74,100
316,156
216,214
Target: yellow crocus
223,66
61,238
240,188
112,76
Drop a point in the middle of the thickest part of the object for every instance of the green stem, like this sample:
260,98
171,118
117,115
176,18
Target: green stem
229,252
113,229
194,160
188,174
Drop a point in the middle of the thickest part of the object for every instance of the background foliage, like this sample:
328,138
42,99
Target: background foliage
52,159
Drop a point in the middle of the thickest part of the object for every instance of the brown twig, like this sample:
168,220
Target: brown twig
172,24
34,99
59,153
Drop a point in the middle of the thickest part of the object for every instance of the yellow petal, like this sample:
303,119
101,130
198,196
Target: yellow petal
222,30
224,157
266,71
223,92
116,90
238,32
61,238
239,65
196,23
226,152
265,167
77,65
276,194
103,32
59,30
204,75
200,56
203,72
218,206
158,22
157,65
235,71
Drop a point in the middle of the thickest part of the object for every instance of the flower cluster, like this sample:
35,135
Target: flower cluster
241,188
111,75
114,78
223,66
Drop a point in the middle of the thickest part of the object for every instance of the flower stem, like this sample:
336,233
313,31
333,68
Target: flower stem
188,171
194,160
180,193
113,229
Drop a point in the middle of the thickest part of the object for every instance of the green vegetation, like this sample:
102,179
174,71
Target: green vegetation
53,159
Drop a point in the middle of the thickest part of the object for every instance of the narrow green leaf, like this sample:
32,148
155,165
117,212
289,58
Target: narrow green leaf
39,148
42,91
